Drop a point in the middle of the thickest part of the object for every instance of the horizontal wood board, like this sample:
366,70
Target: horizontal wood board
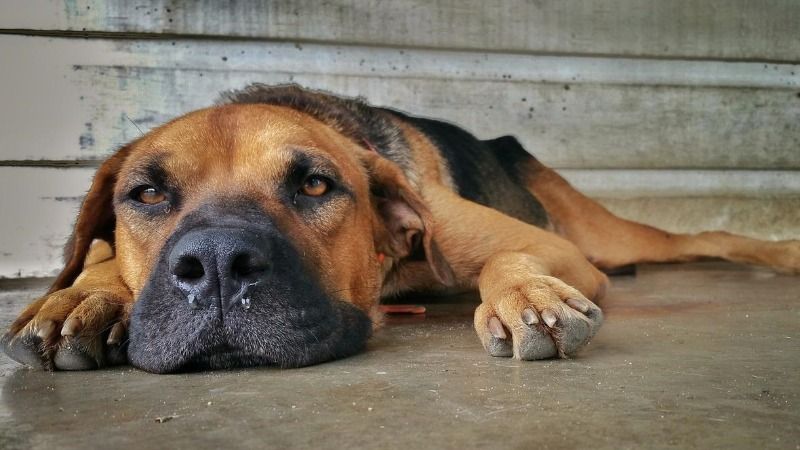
76,99
711,29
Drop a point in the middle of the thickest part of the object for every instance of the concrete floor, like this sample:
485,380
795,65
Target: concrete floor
696,356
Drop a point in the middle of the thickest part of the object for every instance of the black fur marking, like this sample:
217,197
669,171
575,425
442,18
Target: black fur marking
486,172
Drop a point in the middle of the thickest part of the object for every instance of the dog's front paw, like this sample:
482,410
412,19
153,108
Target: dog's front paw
537,317
71,329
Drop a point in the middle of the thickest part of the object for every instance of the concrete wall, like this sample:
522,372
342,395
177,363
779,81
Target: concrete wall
681,114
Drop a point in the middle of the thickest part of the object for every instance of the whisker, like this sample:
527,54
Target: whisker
134,124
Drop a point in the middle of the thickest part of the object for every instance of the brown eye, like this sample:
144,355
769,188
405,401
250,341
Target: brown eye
150,196
314,186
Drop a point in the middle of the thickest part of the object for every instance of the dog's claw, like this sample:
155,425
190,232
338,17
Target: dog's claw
45,329
497,344
72,326
529,317
549,318
496,328
578,305
116,334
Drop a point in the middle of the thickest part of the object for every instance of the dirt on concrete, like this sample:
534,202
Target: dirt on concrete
690,356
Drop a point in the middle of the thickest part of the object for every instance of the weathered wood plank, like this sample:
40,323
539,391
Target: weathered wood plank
40,205
74,99
38,208
737,29
685,183
763,218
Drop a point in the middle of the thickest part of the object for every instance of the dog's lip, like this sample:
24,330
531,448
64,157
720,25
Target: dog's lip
222,351
222,360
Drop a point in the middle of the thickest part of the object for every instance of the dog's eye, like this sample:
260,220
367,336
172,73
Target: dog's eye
315,186
149,195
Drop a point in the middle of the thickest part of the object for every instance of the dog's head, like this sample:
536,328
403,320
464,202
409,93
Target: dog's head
251,234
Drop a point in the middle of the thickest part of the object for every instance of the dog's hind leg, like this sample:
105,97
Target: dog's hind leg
611,242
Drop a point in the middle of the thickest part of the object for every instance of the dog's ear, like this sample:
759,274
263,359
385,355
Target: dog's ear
406,225
95,220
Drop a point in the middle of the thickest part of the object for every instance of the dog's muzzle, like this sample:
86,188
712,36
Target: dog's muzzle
230,290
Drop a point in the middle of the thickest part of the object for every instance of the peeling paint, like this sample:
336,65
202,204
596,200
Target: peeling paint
86,141
64,198
654,113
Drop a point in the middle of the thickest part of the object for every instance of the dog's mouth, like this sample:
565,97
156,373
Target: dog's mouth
221,356
294,348
265,333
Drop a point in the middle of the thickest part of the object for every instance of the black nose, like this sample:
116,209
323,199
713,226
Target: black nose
215,267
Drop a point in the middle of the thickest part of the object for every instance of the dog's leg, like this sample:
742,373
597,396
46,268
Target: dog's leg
80,327
610,241
536,287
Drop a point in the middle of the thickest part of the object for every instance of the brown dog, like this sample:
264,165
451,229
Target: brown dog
264,231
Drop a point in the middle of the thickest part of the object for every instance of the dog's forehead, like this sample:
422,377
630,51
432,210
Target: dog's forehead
265,138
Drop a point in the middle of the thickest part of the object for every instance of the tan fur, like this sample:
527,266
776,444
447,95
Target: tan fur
522,272
218,153
91,305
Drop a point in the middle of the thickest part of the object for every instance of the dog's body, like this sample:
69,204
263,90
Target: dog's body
264,231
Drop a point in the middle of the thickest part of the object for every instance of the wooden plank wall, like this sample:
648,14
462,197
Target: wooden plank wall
681,114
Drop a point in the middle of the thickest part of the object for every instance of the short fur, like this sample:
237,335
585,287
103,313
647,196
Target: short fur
237,263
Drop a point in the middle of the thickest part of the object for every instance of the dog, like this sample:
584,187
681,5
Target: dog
264,230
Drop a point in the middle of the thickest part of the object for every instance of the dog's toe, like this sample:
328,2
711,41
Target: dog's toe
24,349
72,356
534,343
497,342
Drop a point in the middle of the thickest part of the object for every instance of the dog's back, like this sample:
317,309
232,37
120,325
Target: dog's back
485,171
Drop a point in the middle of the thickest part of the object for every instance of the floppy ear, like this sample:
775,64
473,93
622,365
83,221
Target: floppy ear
407,224
95,220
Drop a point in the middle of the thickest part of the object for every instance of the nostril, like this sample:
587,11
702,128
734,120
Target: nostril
247,265
189,268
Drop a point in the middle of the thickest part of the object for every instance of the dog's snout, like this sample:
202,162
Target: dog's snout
215,266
